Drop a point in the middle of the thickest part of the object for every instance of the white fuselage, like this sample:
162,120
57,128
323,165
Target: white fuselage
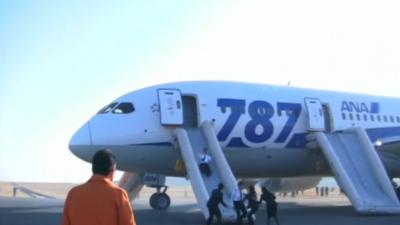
261,128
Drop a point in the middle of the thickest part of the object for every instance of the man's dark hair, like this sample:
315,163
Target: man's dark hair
220,186
103,162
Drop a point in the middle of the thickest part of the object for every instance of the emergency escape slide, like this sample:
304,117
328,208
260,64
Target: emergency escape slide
359,171
192,142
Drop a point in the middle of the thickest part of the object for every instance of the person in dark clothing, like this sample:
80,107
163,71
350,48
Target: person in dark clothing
270,204
396,189
216,198
252,205
398,192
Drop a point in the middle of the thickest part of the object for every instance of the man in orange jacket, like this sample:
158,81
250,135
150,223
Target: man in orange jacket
99,201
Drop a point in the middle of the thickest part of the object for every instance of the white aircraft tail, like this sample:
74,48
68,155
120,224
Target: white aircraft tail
192,142
359,171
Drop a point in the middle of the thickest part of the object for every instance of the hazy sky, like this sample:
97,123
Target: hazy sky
61,61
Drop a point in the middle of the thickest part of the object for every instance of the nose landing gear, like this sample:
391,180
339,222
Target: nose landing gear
160,200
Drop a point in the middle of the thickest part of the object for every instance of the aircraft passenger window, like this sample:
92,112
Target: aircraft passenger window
378,118
391,119
365,117
107,108
344,116
398,119
351,116
372,118
124,108
385,119
358,117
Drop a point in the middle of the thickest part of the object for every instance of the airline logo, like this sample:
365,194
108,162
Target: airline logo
360,107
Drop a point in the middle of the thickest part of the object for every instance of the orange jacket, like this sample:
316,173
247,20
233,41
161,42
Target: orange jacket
98,202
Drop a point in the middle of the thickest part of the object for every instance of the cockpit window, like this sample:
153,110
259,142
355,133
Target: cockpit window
124,108
107,108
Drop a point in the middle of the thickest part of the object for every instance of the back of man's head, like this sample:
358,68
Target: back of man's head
103,162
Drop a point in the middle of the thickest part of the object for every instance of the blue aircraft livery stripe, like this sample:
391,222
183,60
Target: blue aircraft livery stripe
376,133
237,142
155,143
298,140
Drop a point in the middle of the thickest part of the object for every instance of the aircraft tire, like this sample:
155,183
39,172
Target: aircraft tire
160,201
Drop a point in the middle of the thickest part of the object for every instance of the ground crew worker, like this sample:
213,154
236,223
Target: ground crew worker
99,201
270,204
252,205
398,192
216,198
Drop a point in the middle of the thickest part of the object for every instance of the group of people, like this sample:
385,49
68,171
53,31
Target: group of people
322,191
243,210
100,196
238,199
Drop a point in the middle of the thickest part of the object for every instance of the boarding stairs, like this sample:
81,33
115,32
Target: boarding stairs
192,142
359,170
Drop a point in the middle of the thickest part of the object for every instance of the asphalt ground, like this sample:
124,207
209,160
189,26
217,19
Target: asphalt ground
328,211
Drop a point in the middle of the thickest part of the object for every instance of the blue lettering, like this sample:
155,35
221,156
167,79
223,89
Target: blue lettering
237,109
354,106
360,107
294,110
345,106
364,108
260,127
261,113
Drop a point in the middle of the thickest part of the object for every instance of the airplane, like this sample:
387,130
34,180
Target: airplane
253,132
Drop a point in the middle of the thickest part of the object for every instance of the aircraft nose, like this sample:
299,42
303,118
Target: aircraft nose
80,140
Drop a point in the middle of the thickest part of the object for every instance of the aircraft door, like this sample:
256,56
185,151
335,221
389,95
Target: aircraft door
171,110
316,118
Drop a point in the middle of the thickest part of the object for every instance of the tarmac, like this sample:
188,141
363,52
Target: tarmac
299,210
